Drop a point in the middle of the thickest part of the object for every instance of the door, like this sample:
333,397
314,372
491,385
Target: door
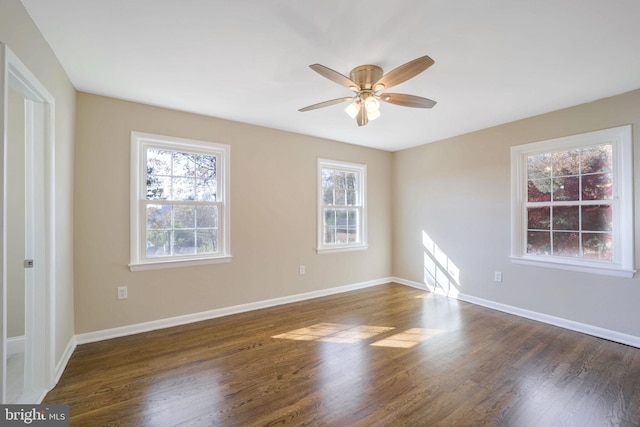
27,334
17,275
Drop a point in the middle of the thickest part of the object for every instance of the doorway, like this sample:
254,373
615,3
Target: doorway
27,240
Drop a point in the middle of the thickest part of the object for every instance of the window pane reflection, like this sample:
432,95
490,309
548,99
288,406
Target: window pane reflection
597,246
597,218
566,244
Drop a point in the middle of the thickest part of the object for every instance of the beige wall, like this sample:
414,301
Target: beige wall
273,218
458,192
18,31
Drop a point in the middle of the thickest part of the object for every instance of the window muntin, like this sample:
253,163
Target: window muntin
572,203
180,203
341,205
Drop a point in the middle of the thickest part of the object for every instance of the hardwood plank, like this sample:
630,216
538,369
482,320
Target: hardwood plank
388,355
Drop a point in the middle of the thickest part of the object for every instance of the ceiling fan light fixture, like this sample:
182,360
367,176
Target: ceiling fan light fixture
371,104
373,115
353,109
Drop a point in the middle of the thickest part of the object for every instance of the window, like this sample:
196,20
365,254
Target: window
179,202
572,203
341,206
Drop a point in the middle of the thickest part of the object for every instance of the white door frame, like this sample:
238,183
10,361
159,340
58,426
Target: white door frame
39,321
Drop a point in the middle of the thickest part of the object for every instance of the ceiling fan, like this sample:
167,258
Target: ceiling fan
366,81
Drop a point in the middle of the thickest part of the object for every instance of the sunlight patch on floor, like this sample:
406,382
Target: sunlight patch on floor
408,338
425,295
334,332
350,334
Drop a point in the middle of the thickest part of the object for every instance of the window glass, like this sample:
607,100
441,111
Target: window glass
181,176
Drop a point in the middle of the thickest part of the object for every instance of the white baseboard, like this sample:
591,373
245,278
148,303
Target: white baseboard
220,312
584,328
59,369
226,311
411,283
38,400
15,345
64,360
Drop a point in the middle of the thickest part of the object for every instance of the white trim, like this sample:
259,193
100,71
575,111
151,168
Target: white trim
342,249
361,169
15,345
176,263
40,328
64,360
4,89
60,367
594,268
122,331
219,312
411,283
621,140
571,325
139,142
430,286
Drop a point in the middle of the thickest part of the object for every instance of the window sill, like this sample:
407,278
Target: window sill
341,249
593,268
158,265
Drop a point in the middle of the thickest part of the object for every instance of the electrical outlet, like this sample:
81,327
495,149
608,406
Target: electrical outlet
497,276
302,269
122,292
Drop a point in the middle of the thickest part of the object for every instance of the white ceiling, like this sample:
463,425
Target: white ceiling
247,60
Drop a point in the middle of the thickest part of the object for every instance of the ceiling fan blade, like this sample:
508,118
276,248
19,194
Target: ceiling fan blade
407,100
403,73
335,76
326,103
362,118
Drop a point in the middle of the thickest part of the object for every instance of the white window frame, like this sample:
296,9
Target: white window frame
361,170
623,248
140,141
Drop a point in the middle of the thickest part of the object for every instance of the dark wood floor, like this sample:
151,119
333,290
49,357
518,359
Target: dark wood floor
384,356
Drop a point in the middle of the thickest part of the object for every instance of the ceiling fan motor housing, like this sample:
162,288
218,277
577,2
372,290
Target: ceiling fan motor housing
366,75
